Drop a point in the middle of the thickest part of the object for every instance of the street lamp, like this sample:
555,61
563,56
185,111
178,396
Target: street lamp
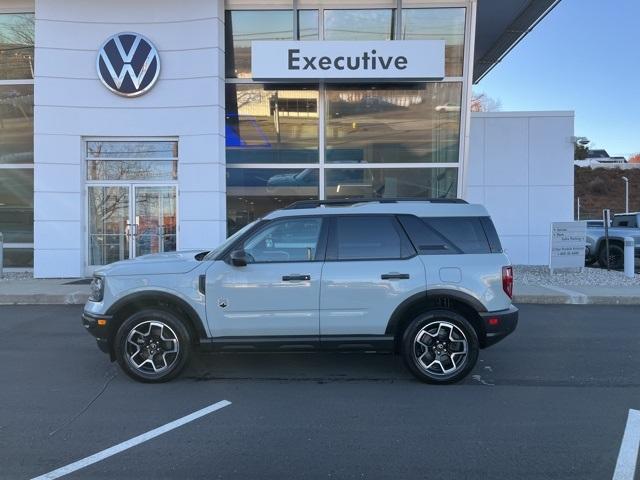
626,194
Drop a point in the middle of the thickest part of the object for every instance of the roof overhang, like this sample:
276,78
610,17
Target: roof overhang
500,25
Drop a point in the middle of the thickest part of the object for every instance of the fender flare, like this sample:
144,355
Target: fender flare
192,316
398,314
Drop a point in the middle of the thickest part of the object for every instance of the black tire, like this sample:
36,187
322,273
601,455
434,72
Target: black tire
616,256
415,352
148,338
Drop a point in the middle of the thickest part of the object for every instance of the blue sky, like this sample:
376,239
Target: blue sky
584,56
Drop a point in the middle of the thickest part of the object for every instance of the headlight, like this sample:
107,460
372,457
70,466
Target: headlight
97,289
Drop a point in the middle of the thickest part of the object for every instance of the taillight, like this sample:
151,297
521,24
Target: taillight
507,280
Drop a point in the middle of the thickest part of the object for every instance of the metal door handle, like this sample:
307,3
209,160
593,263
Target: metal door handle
293,278
395,276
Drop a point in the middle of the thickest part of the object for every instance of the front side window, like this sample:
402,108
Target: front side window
368,238
291,240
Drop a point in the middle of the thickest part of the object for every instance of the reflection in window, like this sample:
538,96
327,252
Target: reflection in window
376,24
132,160
18,258
244,26
16,205
16,124
254,192
271,126
308,25
16,46
410,123
391,183
438,24
109,224
294,240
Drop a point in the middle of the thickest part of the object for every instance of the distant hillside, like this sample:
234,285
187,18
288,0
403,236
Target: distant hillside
600,188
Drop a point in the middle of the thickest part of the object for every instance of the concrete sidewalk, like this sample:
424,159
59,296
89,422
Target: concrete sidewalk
60,291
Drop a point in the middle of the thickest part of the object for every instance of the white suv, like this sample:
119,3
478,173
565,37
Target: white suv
427,279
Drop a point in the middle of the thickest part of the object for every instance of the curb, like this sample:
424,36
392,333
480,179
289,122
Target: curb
75,298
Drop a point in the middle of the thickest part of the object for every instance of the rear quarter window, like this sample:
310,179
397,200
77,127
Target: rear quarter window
452,235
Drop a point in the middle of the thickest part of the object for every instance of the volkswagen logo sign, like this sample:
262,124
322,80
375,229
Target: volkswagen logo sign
128,64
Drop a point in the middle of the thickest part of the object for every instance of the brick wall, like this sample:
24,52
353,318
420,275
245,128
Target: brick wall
600,188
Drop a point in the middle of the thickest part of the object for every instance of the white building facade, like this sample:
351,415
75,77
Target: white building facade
89,175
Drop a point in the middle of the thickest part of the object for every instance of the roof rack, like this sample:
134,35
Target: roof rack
336,202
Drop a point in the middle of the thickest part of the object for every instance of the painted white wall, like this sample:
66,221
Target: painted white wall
521,168
71,103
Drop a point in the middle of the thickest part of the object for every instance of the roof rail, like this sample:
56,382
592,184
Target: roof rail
337,202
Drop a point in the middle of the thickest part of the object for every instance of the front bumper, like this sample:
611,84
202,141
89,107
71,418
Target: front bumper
100,327
498,325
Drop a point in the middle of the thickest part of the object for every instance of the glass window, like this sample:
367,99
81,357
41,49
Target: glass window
254,192
153,160
244,26
391,183
16,124
308,25
367,238
294,240
16,46
377,24
438,24
18,258
16,205
412,123
271,125
464,234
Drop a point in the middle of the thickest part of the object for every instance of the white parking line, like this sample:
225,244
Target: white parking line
628,456
96,457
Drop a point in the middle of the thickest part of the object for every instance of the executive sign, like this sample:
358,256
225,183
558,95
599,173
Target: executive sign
128,64
390,60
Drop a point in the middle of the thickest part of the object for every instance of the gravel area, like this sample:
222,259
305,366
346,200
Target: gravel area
541,275
12,276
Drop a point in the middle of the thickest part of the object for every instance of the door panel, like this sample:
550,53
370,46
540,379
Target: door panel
259,302
355,300
109,224
155,219
278,291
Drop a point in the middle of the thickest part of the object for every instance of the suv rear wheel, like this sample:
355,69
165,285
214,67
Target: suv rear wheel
152,346
440,346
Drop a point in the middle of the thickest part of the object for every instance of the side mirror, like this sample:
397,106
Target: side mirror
239,258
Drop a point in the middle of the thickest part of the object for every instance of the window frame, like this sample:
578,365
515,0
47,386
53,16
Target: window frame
19,166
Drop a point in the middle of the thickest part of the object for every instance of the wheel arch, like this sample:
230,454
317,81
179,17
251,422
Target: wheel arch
454,300
134,302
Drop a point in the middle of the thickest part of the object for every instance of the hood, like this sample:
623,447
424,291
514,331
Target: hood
154,264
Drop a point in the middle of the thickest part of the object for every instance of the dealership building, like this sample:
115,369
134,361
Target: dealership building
136,127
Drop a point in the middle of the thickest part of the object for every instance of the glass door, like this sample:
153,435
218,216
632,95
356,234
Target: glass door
155,219
109,227
126,221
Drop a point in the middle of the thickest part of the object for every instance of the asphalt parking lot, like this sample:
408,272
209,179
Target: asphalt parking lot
551,401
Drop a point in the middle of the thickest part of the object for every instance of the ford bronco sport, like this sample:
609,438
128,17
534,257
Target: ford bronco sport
427,279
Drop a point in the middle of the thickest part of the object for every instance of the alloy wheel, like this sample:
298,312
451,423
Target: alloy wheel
440,348
152,347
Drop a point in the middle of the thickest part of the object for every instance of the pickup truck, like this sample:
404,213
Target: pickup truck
622,225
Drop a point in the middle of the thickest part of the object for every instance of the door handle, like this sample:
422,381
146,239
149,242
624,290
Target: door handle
395,276
294,278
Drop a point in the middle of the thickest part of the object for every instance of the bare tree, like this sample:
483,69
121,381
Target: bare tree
481,102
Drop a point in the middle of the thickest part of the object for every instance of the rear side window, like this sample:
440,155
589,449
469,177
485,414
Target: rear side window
370,238
451,235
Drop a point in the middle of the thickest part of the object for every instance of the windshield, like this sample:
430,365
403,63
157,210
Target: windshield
216,251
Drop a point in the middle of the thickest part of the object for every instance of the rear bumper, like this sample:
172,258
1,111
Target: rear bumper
102,333
498,325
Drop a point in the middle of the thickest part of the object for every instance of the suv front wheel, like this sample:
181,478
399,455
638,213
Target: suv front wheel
152,346
440,346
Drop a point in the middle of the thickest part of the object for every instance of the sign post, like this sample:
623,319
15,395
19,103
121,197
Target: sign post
567,245
606,218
